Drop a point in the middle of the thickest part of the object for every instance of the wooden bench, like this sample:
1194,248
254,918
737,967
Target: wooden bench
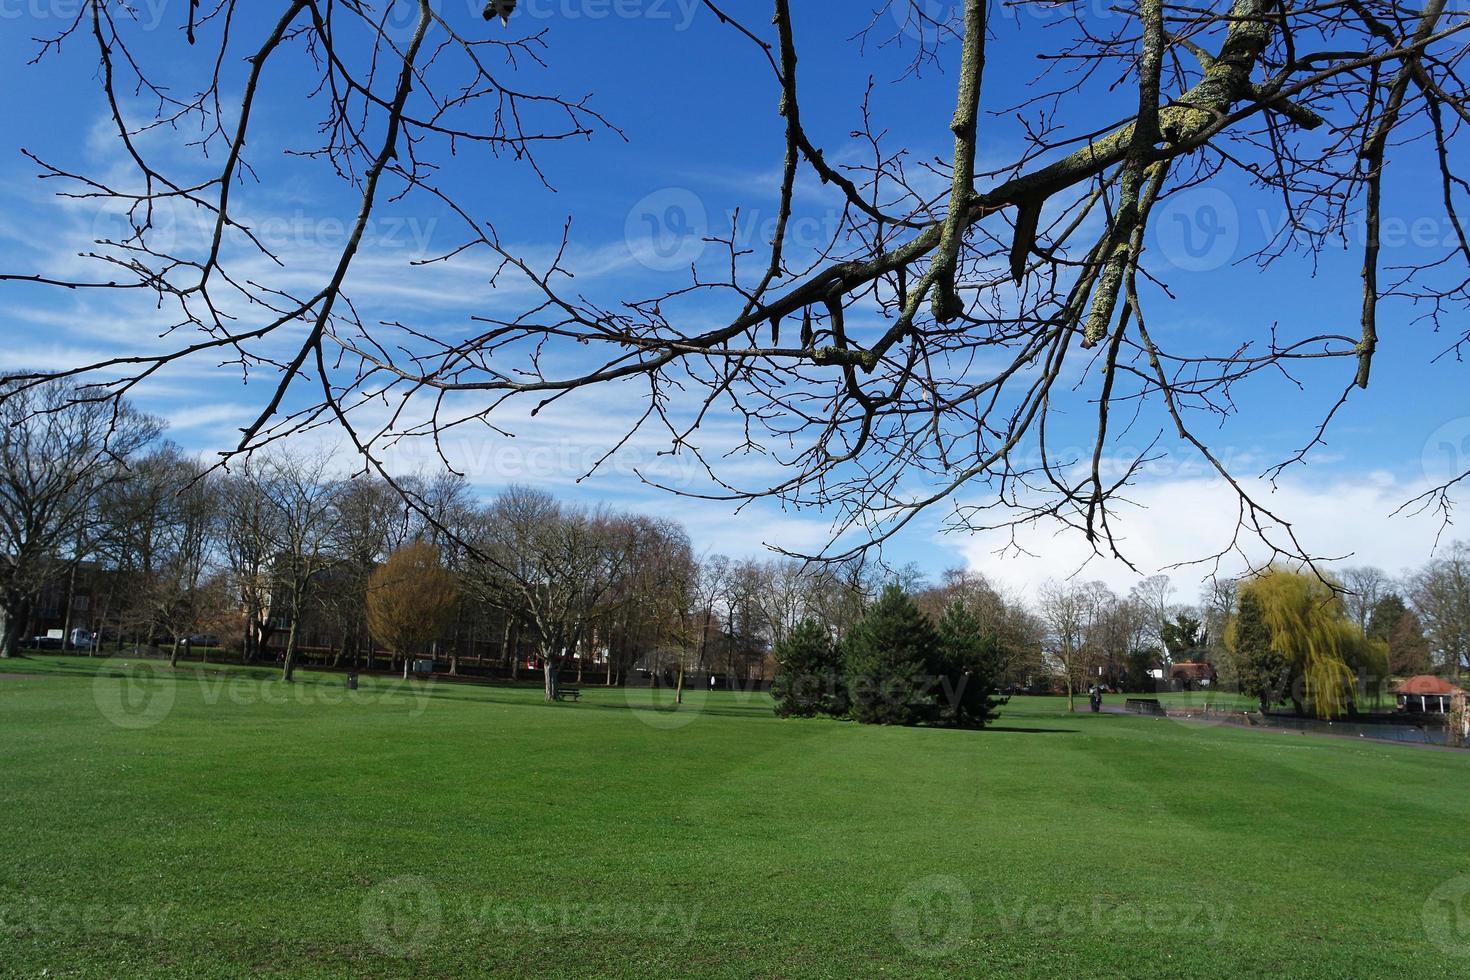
1144,706
575,693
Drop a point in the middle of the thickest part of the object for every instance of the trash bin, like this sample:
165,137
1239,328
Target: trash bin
352,680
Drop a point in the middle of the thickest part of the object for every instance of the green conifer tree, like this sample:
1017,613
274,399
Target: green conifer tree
968,667
888,657
807,681
1264,673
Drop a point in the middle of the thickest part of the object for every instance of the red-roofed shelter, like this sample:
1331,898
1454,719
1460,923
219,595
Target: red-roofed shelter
1426,694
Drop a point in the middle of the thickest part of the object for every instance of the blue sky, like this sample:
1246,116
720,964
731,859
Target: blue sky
698,109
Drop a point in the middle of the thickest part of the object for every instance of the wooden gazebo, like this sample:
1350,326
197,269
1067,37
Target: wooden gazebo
1426,694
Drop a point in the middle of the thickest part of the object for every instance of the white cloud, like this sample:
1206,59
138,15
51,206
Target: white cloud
1184,520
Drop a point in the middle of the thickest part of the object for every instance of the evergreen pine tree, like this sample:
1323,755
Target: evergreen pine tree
888,656
807,681
1263,671
967,664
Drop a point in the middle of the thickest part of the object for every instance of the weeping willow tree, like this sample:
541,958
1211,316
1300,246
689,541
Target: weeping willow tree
1324,649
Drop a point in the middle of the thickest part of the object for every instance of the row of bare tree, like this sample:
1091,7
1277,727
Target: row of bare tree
282,548
280,551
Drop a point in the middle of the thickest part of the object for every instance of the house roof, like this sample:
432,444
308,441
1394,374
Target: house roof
1426,684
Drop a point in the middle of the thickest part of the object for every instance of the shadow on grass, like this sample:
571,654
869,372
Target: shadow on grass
753,711
601,699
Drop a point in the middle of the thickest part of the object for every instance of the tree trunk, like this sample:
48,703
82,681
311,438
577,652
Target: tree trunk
10,634
288,666
152,632
679,684
100,622
709,611
548,667
247,650
17,616
71,597
28,624
173,654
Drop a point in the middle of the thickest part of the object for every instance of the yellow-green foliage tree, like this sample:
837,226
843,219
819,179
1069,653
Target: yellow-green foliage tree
1325,649
410,599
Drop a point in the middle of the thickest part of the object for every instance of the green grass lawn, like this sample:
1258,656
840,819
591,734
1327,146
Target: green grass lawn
1223,700
233,825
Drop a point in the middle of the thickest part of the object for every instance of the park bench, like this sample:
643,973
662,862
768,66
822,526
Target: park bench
1144,706
575,693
